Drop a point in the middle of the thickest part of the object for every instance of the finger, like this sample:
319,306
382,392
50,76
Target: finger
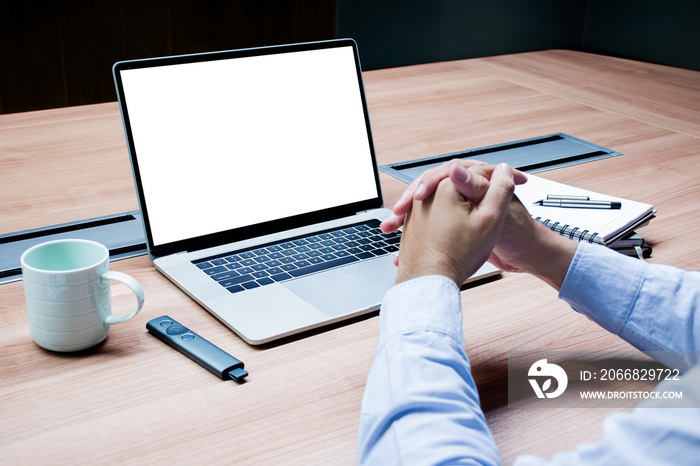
500,192
391,223
421,188
486,170
430,179
470,186
403,205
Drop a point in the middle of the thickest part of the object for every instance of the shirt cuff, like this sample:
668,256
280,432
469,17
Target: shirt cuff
425,303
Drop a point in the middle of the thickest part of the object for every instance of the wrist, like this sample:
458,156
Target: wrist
551,256
428,264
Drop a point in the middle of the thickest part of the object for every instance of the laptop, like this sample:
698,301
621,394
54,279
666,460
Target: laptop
258,184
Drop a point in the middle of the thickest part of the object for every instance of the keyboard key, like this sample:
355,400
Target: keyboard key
328,257
302,263
233,258
258,267
260,274
325,236
275,255
379,252
234,265
245,270
250,285
315,260
364,255
274,271
248,262
203,265
313,239
391,249
246,255
281,277
342,253
273,263
323,266
350,230
265,281
287,245
287,260
228,283
235,288
239,280
226,275
302,249
219,261
327,250
274,248
260,252
262,259
300,242
300,256
288,267
214,270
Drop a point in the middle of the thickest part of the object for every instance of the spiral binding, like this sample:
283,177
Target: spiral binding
574,233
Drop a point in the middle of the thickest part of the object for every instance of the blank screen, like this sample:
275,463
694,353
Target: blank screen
229,143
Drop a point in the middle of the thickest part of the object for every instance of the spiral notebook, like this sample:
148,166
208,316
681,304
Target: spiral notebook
602,226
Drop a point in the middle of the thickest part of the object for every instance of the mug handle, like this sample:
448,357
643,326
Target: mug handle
135,288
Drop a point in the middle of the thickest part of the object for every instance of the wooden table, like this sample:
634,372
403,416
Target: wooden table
133,399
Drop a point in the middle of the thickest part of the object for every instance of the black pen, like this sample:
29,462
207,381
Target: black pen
579,204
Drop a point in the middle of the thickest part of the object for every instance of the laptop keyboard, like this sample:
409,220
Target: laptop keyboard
277,262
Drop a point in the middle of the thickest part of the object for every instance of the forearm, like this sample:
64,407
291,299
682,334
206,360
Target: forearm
421,405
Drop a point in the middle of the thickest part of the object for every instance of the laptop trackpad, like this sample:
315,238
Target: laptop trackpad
347,289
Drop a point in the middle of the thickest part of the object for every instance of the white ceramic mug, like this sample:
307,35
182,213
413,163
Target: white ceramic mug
66,286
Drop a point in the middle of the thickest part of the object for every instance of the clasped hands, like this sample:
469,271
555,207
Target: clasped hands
462,213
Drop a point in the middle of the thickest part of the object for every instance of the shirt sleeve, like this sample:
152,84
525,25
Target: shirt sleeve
653,308
421,405
650,306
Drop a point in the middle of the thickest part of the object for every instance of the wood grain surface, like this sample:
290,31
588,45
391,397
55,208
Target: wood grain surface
133,399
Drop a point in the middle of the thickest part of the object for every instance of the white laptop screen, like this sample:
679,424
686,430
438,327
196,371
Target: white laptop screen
229,143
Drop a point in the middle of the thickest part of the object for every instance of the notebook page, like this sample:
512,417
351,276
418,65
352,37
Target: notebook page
607,223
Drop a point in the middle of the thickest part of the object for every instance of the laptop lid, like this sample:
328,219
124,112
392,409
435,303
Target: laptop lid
232,145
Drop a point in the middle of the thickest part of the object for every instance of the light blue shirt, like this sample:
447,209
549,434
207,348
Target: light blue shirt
421,406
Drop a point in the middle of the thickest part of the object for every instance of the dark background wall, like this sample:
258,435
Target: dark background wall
57,53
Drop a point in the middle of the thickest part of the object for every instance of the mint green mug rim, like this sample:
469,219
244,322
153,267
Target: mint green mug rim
27,257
